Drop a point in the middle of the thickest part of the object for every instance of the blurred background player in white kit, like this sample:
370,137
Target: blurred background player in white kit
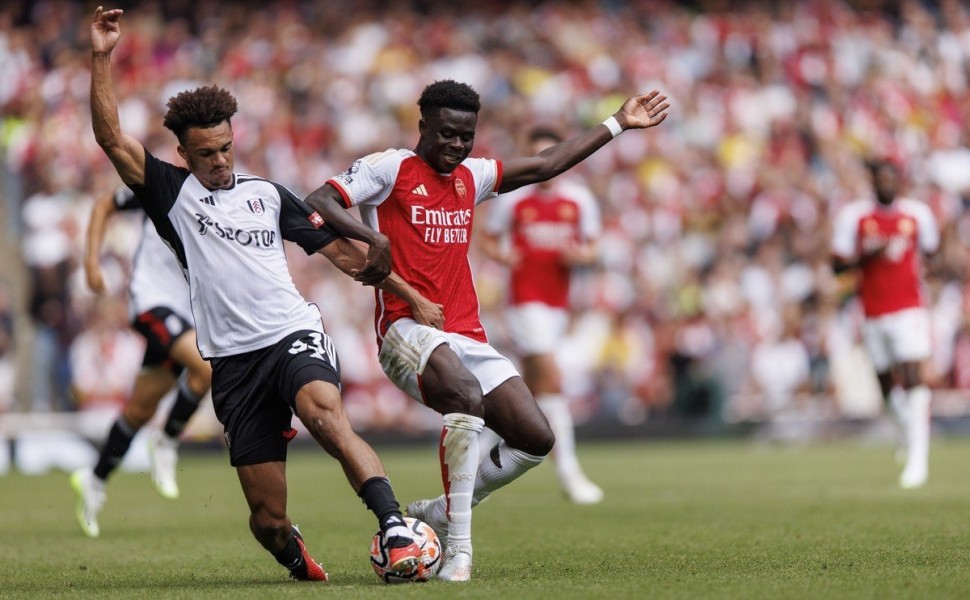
541,232
883,238
159,309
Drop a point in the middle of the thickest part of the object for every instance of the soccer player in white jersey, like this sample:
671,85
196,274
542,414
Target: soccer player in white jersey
269,353
541,233
883,238
158,304
423,201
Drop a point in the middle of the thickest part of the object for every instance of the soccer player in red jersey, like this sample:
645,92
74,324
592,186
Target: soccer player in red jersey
883,238
541,232
417,208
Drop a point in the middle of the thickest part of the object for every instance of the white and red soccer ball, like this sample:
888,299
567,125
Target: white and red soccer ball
431,553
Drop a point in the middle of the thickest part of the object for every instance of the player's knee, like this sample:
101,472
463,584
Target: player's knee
199,379
465,398
137,415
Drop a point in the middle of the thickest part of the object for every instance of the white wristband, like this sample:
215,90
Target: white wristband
613,125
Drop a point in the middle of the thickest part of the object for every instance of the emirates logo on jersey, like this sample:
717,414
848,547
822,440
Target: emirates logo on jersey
460,188
255,206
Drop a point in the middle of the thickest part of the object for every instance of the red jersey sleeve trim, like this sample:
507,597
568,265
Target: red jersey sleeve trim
498,176
343,193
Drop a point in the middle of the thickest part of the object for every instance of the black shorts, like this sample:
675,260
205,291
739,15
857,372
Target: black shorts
254,393
160,327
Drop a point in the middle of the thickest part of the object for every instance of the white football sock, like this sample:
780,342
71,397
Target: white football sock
918,429
500,467
459,464
556,409
486,441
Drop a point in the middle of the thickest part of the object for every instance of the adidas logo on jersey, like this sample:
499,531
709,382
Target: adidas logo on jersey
420,190
208,200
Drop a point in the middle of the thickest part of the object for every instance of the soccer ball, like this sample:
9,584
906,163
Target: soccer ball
426,539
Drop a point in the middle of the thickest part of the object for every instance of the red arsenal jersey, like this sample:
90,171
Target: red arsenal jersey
891,281
540,224
427,216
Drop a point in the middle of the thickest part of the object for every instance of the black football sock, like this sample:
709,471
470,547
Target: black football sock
379,498
119,439
185,405
290,556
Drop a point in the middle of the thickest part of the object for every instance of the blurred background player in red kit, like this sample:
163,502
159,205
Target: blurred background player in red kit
883,238
542,232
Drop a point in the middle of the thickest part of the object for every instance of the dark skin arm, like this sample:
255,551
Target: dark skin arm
126,153
349,258
638,112
327,201
102,210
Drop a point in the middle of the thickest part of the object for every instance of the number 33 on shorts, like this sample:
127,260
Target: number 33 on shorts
318,345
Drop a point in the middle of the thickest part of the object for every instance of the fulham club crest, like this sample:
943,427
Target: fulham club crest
255,206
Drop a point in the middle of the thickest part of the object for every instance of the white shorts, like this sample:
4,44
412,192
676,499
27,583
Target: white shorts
536,328
407,347
897,337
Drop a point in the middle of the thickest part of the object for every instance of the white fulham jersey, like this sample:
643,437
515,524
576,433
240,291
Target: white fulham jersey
156,278
230,243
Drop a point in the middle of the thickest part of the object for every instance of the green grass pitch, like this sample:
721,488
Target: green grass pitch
684,520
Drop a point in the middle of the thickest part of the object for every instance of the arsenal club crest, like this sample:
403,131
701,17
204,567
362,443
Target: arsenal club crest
460,187
255,206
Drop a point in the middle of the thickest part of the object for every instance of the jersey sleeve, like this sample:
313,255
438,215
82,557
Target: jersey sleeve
845,233
125,199
590,224
487,174
927,231
369,180
161,187
499,218
301,224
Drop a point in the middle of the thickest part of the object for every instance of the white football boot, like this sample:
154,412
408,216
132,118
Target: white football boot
90,500
581,490
163,451
457,563
429,512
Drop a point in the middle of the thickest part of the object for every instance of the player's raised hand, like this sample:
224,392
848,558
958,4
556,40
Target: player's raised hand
640,112
105,29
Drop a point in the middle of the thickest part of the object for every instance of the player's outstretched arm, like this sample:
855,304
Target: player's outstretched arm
126,153
327,202
103,208
348,256
638,112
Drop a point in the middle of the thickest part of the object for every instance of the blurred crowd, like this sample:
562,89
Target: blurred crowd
714,298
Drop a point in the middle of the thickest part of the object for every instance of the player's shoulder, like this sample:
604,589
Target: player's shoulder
247,182
856,209
576,190
914,207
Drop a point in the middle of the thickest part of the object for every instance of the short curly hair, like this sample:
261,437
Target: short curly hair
451,94
202,107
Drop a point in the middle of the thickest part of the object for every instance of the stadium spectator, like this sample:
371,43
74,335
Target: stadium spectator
884,238
542,233
270,356
422,202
